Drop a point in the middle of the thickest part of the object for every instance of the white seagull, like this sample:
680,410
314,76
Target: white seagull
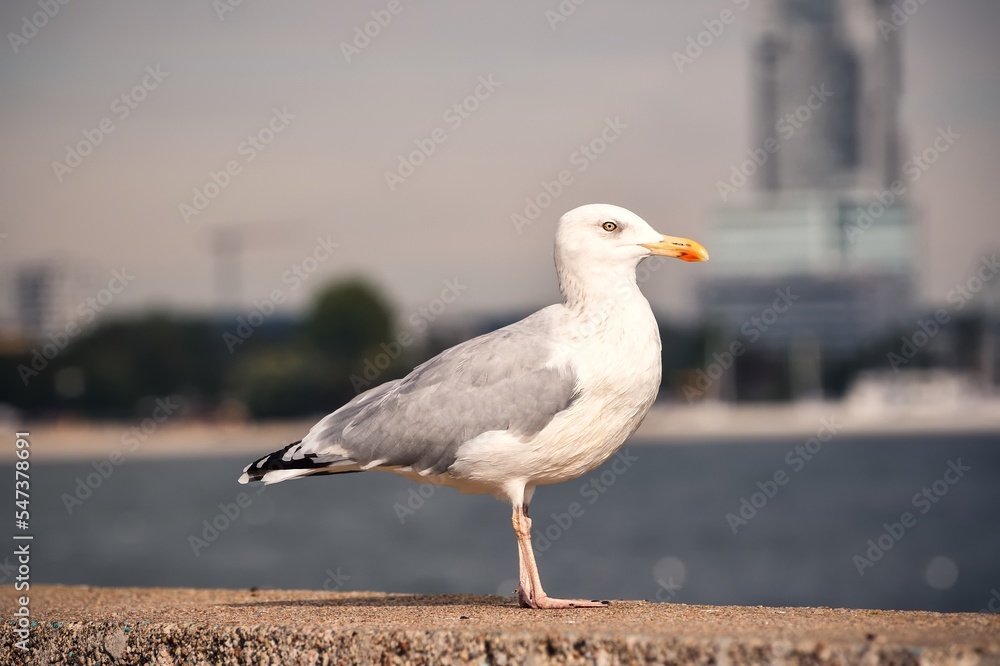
544,400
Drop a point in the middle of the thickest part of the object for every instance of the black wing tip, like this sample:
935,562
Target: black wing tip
256,470
272,462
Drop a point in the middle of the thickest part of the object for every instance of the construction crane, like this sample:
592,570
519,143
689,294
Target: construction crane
228,244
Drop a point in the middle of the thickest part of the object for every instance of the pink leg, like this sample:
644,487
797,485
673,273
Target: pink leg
529,592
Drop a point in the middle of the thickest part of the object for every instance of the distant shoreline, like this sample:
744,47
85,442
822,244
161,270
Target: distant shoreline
665,425
707,422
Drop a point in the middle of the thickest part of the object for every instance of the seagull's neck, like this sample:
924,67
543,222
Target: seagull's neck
604,287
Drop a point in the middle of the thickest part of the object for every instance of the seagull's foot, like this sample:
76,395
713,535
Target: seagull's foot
545,601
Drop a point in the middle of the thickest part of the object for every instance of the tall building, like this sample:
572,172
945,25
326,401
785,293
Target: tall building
817,205
40,299
853,139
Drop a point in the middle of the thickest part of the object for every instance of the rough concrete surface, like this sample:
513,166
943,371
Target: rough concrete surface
90,625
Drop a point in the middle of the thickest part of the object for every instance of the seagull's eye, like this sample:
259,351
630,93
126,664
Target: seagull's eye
609,226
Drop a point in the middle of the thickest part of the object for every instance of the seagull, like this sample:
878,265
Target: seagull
541,401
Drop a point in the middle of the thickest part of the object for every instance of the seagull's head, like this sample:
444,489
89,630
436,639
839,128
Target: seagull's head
602,234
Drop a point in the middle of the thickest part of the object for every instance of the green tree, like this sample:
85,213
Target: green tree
348,320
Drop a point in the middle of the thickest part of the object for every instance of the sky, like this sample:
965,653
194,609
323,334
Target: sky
308,128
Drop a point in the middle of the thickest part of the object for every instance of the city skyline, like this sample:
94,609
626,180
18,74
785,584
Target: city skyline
301,134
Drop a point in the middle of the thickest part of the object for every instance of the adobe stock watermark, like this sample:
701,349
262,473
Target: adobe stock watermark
698,43
912,344
30,25
335,580
795,459
543,538
121,108
579,161
924,501
670,573
900,15
928,328
416,498
364,34
212,528
562,12
454,116
913,169
246,151
666,590
964,292
294,278
130,440
786,128
7,570
419,321
583,331
992,606
224,7
86,312
591,490
752,329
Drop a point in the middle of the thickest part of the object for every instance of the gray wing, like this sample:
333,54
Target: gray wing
504,380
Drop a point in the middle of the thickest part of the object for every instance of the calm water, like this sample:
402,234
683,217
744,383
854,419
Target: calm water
612,534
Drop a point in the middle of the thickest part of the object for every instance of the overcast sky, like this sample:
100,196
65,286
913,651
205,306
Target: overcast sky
323,175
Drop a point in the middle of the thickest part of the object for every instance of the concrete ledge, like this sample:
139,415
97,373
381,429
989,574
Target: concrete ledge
87,625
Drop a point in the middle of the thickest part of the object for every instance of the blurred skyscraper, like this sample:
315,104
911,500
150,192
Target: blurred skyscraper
41,298
818,205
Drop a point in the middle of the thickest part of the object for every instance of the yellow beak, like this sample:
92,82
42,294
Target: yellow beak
681,248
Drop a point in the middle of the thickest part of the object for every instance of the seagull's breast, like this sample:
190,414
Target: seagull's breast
614,353
618,364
